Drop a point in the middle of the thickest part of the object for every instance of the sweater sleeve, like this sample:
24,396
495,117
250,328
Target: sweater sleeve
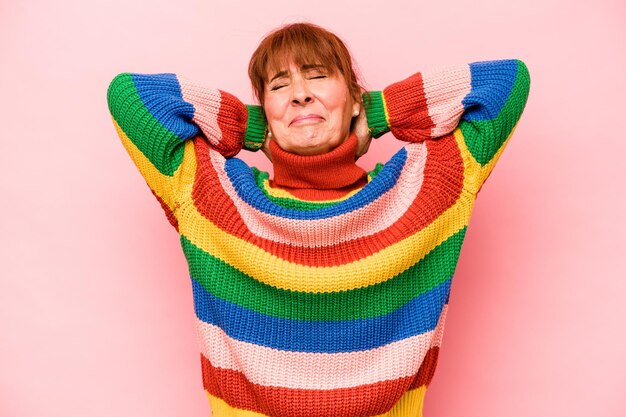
156,114
484,100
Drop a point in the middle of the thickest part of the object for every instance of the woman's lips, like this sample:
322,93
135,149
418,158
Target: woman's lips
306,118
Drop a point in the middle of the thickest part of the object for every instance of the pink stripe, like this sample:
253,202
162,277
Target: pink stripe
380,214
444,112
206,102
279,368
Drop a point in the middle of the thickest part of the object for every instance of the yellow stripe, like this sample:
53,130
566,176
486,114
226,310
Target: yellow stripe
475,173
166,187
410,405
385,110
279,273
219,408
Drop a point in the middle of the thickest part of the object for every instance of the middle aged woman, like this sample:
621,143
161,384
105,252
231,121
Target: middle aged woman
322,291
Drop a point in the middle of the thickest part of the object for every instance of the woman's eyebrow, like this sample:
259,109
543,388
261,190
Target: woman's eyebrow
278,75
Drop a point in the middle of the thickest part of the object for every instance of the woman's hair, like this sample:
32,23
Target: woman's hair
304,43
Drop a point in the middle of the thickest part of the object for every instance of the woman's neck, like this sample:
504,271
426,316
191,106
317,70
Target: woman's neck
318,177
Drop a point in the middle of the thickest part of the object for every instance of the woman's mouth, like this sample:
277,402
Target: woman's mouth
306,119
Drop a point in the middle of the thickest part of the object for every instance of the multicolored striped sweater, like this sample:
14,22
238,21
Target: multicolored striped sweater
309,303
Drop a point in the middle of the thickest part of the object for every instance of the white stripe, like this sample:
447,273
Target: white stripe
444,101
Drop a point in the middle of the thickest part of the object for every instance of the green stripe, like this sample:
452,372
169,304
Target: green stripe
256,126
375,112
227,283
293,203
379,166
484,138
161,146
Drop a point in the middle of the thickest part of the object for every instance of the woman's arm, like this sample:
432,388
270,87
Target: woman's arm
155,115
484,100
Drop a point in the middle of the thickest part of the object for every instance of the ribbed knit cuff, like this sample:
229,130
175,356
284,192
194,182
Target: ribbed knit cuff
377,119
256,127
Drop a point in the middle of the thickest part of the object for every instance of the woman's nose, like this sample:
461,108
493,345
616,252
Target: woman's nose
301,94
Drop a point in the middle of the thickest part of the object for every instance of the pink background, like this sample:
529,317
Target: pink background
95,303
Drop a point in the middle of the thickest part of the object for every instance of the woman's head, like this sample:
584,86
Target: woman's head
303,76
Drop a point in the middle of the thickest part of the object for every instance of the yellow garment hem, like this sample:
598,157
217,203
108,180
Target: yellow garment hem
409,405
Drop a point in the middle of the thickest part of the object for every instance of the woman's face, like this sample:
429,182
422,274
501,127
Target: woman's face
308,111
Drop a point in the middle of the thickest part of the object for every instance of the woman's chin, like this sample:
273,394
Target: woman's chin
309,142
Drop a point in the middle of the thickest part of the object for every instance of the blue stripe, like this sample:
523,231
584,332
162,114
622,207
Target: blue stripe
162,96
242,178
487,97
419,315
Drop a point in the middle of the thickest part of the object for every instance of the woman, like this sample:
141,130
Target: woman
323,291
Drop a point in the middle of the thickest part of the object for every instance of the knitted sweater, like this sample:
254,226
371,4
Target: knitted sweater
322,292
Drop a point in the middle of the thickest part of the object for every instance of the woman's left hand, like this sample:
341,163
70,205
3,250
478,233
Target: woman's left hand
362,132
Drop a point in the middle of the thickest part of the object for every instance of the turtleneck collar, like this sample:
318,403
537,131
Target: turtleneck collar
335,171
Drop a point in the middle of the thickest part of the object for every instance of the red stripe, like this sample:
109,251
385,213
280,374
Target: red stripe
443,182
408,109
371,399
365,400
231,119
168,212
427,369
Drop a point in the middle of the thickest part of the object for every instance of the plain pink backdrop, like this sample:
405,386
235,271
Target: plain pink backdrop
95,303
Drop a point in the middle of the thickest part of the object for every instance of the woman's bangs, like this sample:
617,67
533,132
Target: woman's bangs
300,53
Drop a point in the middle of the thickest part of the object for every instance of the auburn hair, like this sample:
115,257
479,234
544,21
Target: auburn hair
302,43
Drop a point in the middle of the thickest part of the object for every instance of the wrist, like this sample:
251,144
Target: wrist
376,112
256,128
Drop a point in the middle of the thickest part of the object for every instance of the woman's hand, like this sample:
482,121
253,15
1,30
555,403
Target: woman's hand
362,132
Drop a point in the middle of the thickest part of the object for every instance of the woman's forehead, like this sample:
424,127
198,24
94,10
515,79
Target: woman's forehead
282,63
